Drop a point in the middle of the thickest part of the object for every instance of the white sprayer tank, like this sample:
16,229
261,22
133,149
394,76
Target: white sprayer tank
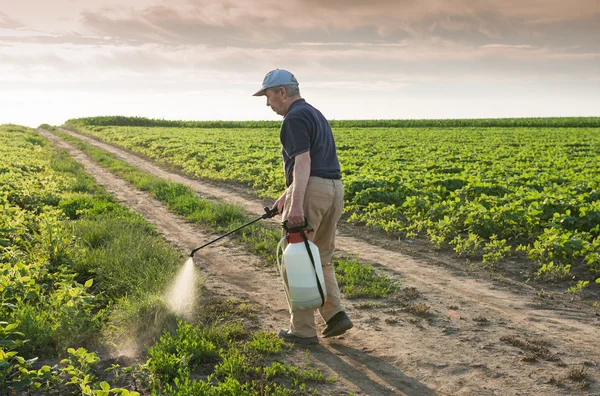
300,277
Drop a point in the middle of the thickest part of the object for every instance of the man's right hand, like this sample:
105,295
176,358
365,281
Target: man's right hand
279,204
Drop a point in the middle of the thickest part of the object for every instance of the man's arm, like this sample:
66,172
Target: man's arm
299,183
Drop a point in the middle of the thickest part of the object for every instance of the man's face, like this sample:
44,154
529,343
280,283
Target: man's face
276,100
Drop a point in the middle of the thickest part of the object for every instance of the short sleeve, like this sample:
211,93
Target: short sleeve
295,136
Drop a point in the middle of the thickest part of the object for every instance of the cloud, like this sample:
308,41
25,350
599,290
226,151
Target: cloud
507,46
7,22
273,23
386,46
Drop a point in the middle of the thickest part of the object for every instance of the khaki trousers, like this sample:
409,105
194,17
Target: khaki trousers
323,204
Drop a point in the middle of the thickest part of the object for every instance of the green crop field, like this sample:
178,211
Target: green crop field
80,272
486,188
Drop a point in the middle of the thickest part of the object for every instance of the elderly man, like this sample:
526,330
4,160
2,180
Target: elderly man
314,192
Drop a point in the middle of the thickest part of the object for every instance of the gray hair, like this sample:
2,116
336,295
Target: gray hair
291,90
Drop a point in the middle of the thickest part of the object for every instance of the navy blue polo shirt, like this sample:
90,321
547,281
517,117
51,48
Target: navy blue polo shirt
304,129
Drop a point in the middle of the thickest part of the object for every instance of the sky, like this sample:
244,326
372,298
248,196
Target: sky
376,59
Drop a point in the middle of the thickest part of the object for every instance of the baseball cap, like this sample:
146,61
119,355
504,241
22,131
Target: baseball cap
275,78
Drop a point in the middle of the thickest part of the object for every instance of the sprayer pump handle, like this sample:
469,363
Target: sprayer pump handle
296,228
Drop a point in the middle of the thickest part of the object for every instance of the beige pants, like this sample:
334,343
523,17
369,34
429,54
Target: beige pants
323,204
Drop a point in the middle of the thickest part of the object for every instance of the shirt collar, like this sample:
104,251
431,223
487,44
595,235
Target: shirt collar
295,103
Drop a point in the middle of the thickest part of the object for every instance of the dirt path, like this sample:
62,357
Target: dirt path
459,335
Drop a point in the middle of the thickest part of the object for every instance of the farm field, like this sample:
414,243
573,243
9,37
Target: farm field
420,328
83,279
444,331
487,192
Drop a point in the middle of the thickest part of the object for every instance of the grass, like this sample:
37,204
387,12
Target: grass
224,357
361,280
123,257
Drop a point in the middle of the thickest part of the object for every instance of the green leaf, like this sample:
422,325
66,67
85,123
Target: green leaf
91,358
598,280
89,283
104,385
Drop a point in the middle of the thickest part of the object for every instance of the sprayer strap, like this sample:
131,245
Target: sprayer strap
312,260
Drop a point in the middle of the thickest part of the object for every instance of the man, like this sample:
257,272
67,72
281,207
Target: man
314,192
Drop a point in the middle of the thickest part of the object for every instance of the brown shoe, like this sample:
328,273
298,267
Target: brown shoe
287,336
337,325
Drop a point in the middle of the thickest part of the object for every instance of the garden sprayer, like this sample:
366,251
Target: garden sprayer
299,267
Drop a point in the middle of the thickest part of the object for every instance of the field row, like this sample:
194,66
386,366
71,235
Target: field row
486,192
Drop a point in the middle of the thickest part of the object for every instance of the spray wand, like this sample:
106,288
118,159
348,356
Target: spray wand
269,213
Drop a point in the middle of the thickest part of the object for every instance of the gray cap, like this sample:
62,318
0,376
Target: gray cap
275,78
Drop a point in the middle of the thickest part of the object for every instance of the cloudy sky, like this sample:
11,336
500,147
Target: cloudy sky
202,59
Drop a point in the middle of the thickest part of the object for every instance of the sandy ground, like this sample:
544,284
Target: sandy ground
451,330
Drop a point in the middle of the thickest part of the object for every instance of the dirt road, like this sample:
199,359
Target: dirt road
461,333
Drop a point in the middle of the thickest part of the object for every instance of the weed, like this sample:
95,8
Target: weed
419,309
578,374
537,348
481,320
172,355
365,305
266,342
578,288
411,293
372,319
555,381
529,358
217,308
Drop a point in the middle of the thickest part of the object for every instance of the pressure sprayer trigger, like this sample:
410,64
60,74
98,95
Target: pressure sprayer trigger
269,213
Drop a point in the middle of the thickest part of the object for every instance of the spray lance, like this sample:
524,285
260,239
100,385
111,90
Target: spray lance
182,294
269,213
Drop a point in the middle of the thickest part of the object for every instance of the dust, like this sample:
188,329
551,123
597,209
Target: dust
182,293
